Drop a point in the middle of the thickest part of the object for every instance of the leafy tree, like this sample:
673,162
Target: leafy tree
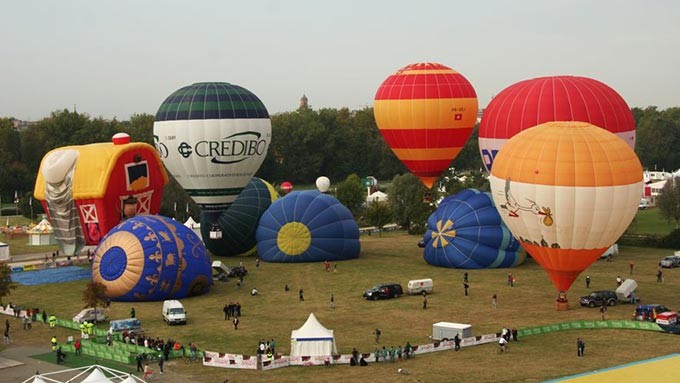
350,193
378,214
6,284
407,201
669,201
94,295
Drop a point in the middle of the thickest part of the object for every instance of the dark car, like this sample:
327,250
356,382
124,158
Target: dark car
598,298
648,312
384,291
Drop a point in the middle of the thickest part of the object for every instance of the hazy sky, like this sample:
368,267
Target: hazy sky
117,58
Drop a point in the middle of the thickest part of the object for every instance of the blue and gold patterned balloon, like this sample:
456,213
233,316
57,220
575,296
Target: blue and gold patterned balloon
152,258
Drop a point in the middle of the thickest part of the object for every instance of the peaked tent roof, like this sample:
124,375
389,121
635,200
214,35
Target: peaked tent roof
312,329
190,223
96,376
43,226
377,196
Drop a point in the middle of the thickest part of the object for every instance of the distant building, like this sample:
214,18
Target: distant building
304,103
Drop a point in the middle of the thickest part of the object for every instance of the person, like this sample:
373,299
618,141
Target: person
140,359
514,334
377,335
332,303
257,263
335,268
466,286
326,265
580,347
424,300
456,342
60,355
132,312
494,300
632,266
78,347
54,343
502,344
5,337
147,371
659,276
603,310
465,277
44,316
618,280
362,362
236,322
587,281
511,280
301,294
286,288
254,291
355,357
53,321
109,341
160,364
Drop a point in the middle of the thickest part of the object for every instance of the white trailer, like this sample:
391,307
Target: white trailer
626,292
448,330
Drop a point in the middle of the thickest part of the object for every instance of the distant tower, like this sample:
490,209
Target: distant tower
303,103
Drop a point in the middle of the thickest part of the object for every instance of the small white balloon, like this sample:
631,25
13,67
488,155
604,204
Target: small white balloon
323,183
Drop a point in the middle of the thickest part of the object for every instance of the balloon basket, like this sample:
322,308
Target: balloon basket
562,303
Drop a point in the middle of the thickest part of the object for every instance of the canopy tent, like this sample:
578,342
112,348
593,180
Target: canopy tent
377,197
194,226
312,339
4,251
87,374
41,234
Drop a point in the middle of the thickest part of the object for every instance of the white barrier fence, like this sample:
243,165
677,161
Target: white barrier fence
215,359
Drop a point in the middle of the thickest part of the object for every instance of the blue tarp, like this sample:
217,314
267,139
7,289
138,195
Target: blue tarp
56,275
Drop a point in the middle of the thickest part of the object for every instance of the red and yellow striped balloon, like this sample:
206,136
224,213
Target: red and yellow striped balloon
567,191
426,113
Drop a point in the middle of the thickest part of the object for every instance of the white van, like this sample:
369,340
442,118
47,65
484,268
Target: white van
173,312
90,315
417,286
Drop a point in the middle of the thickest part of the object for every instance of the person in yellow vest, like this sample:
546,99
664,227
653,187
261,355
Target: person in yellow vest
54,343
90,328
53,321
83,329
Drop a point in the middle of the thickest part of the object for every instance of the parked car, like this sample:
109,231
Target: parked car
649,312
384,291
670,262
91,315
598,298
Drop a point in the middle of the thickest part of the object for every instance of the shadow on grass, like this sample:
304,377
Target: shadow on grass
74,361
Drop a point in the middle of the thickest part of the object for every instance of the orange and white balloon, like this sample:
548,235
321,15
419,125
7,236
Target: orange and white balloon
567,191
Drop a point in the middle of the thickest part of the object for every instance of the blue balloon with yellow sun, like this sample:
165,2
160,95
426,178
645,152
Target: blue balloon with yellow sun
307,226
467,232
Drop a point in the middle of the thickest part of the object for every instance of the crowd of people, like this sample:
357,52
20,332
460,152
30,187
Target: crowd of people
266,347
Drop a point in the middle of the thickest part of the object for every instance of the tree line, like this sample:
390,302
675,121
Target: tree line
305,144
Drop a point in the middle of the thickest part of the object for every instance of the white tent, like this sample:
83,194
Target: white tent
377,197
312,339
4,251
87,374
193,225
41,234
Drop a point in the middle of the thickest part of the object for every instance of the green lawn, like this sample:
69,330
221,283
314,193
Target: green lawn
650,221
395,257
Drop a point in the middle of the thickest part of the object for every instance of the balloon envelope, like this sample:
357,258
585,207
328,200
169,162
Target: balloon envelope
307,226
239,221
567,191
426,112
286,187
556,98
467,232
152,258
212,137
323,183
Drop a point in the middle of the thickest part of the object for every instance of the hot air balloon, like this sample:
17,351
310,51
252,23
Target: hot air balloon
557,98
87,189
307,226
286,187
152,258
240,220
323,183
426,113
212,137
567,191
467,232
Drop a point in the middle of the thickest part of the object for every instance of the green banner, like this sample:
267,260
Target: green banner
580,325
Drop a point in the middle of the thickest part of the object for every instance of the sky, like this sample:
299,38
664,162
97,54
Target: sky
116,58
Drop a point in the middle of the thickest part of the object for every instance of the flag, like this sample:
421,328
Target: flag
175,207
187,208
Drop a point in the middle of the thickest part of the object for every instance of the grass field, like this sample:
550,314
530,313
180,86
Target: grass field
395,257
650,221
